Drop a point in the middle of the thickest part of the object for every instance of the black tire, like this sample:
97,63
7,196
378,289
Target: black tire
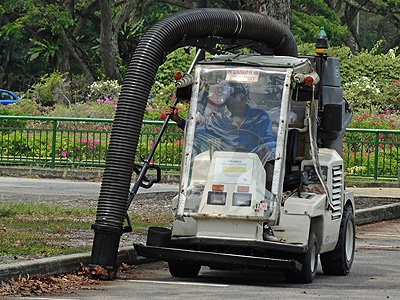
309,260
183,269
340,260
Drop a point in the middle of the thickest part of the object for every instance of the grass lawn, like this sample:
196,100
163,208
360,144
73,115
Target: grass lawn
39,230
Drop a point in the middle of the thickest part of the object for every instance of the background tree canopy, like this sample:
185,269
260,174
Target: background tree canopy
89,40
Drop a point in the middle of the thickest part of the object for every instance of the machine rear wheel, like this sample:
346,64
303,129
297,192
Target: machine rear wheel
309,260
183,269
340,260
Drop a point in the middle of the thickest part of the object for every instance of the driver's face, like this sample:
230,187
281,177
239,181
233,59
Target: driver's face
237,104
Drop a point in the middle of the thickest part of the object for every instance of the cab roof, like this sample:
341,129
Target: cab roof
261,60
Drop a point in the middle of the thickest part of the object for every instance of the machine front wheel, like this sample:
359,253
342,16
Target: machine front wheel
309,260
340,260
184,270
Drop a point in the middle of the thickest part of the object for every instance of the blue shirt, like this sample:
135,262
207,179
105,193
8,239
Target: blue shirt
250,136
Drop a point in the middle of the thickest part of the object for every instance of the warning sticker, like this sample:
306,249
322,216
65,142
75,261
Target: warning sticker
233,170
242,75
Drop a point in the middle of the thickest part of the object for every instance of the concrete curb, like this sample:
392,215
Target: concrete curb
69,263
62,264
97,174
377,214
68,174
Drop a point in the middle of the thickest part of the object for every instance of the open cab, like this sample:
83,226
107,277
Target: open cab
257,190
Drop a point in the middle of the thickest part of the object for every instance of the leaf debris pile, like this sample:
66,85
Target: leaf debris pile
58,285
54,285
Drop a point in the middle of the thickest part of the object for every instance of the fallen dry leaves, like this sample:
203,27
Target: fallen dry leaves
58,285
49,285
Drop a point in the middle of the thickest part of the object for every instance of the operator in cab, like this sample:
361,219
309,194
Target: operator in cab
244,129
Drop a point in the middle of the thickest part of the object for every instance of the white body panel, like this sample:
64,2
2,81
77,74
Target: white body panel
223,193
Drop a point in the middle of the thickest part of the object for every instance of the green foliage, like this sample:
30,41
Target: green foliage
383,68
92,109
168,152
48,88
52,17
163,89
369,79
128,39
308,16
385,120
391,91
156,11
11,110
157,114
161,95
177,61
30,108
47,51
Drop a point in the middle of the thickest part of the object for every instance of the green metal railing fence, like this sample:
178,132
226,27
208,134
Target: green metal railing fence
372,153
78,142
83,142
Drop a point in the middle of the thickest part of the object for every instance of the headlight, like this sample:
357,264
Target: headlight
216,198
241,199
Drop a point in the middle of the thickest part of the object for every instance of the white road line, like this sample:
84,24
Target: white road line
381,234
372,246
49,298
180,283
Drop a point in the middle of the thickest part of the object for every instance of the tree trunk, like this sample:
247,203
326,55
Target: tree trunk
4,63
279,9
81,57
106,42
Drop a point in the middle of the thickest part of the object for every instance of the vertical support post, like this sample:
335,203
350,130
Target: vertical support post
201,4
53,145
376,155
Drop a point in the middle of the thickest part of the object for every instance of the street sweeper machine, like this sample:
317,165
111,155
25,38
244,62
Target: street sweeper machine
262,177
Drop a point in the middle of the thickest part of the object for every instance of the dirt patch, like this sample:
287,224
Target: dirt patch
368,202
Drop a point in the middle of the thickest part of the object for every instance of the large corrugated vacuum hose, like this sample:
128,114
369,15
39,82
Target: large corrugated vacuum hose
164,37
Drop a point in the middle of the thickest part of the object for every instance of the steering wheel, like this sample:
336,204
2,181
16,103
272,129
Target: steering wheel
254,137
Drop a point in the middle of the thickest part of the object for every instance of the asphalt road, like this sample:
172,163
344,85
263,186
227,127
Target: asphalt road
374,275
27,189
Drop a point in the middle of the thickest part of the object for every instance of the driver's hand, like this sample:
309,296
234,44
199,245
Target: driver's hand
173,111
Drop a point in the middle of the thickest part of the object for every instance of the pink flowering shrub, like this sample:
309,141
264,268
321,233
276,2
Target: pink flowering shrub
168,152
37,145
389,119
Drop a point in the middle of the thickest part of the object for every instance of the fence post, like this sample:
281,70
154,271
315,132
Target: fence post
376,155
53,145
